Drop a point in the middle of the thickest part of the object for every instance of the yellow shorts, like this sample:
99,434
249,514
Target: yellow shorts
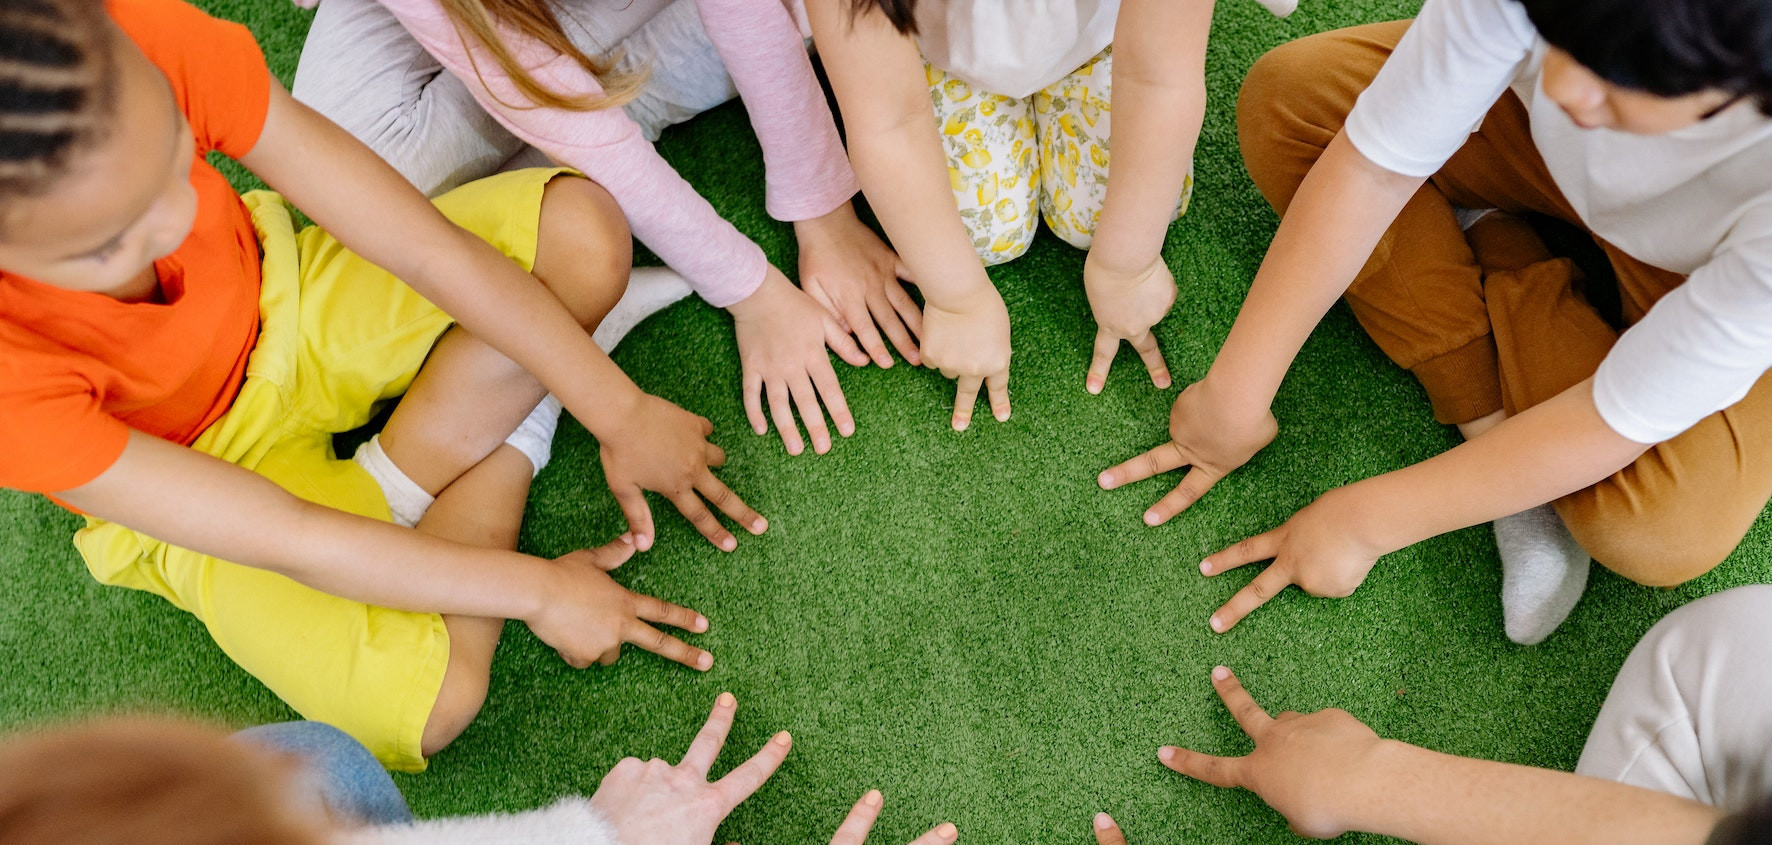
339,337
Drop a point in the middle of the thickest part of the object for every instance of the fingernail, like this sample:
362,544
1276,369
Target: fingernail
644,541
627,538
1166,753
726,699
872,799
1217,624
846,429
701,624
1163,382
795,447
783,739
760,526
728,544
1219,673
1150,518
1106,481
1093,386
960,425
760,431
947,830
1103,822
821,445
1205,567
704,662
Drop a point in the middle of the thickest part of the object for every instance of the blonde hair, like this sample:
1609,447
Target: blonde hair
479,19
146,782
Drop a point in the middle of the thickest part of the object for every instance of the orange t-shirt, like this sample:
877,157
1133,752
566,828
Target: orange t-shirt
79,369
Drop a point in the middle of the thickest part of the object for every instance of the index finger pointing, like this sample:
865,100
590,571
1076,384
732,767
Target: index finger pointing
1152,463
1249,715
653,609
1255,594
750,775
1106,832
964,399
1152,355
861,820
998,386
712,737
667,646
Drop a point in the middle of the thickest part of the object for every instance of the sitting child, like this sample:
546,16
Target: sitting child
176,360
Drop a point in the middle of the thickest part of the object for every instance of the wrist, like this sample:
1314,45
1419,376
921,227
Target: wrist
760,301
1373,788
1238,405
537,580
1124,267
824,226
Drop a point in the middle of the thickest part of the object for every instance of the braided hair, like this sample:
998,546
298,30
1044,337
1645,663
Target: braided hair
57,88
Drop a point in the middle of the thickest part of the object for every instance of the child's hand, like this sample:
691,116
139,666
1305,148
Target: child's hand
656,803
665,449
1126,306
1318,550
846,268
782,334
861,820
587,616
1199,438
1313,768
970,342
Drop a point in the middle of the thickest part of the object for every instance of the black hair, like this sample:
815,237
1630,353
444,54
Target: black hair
57,85
1668,48
901,13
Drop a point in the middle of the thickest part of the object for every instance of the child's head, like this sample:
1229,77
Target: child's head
95,155
1652,66
901,13
147,783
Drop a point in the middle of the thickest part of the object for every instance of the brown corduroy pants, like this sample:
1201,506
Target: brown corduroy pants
1490,320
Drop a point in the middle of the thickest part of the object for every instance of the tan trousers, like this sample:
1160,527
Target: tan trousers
1496,322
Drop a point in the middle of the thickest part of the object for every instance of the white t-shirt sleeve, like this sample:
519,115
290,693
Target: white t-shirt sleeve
1698,350
570,822
1452,65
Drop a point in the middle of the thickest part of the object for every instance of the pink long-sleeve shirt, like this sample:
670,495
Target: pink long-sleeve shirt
807,173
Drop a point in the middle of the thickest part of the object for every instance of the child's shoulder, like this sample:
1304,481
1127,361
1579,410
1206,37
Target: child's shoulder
215,67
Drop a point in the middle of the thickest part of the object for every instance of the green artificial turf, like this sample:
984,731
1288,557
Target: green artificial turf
962,620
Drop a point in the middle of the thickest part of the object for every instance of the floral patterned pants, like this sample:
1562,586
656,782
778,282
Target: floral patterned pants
1012,161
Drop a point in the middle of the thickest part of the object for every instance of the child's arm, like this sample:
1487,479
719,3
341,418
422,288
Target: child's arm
1329,774
843,264
1340,211
1159,103
1550,450
893,143
647,443
191,500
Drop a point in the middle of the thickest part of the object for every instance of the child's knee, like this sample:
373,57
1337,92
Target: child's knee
584,249
465,682
1661,546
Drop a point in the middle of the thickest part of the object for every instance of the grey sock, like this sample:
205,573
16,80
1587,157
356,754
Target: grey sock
1543,573
650,290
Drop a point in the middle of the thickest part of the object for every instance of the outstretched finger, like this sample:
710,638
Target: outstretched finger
1225,772
1260,547
638,515
861,323
613,554
1249,715
706,748
753,403
1152,355
666,646
892,324
716,491
1106,347
907,309
824,380
1192,487
964,399
704,520
854,830
750,775
1269,583
1106,832
783,414
653,609
806,400
1151,463
837,337
943,834
998,387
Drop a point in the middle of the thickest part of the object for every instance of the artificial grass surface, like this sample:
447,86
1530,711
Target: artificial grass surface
962,620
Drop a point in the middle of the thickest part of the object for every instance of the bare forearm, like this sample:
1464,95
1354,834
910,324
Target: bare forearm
903,172
1342,209
1546,452
1438,799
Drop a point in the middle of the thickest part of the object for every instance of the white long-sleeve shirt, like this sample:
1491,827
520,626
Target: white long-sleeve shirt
1697,201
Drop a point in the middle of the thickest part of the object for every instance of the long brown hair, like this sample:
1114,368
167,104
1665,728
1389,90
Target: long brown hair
147,782
479,19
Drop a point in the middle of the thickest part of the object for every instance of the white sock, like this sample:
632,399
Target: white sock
407,502
650,289
534,436
1543,573
1280,8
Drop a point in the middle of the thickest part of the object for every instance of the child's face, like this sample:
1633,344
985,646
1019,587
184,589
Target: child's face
1594,103
125,201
